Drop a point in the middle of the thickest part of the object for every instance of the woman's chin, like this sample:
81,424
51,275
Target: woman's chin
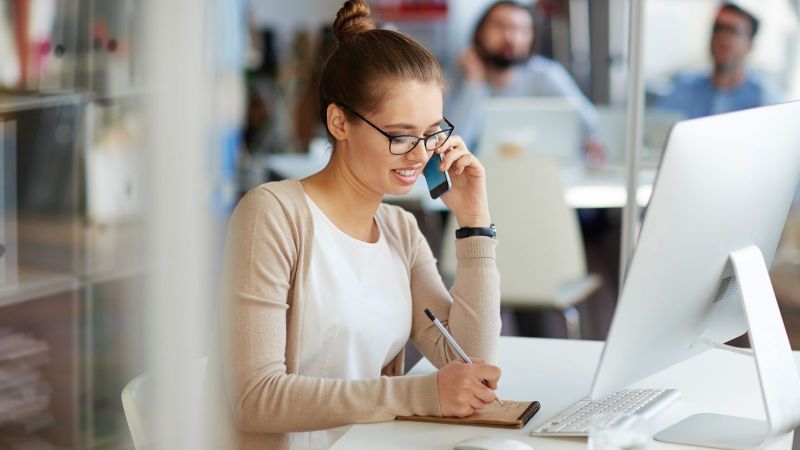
398,190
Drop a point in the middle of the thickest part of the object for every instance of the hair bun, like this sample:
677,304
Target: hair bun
353,18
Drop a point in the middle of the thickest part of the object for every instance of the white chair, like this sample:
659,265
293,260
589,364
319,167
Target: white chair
132,402
540,256
135,403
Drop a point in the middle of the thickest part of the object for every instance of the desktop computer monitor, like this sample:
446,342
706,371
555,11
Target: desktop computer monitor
538,126
725,184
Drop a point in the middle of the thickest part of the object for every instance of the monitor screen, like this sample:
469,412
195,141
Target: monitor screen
725,183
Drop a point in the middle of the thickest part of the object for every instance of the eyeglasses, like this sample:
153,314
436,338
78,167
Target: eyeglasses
402,144
724,28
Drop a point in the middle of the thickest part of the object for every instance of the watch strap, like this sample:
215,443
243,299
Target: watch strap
490,231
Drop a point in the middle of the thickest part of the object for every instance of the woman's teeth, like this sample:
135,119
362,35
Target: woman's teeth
406,173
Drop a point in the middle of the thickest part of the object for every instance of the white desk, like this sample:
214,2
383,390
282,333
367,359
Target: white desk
585,187
557,373
588,187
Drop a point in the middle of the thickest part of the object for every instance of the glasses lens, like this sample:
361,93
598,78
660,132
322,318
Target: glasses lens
402,144
436,140
724,28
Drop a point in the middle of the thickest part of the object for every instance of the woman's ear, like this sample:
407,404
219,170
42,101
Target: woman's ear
337,122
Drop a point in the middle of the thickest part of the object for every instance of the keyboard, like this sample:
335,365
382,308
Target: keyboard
623,404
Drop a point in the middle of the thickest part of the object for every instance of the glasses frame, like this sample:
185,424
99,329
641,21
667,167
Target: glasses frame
392,137
720,28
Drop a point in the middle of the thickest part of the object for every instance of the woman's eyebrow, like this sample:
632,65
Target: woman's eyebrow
408,126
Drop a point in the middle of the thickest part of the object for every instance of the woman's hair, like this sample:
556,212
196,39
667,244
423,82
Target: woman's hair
366,58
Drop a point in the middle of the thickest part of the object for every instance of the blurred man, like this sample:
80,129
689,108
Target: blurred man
731,86
502,63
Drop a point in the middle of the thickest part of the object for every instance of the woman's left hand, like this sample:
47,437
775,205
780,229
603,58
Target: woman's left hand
467,196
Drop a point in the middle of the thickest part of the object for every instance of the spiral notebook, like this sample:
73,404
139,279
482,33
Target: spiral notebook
511,415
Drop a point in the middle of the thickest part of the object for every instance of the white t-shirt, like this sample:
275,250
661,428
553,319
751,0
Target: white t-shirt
357,315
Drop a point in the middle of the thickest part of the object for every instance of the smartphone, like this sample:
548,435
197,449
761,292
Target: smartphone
438,181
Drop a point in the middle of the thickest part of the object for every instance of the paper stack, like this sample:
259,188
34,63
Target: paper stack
24,394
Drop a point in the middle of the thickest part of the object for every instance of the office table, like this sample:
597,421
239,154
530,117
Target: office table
559,372
585,187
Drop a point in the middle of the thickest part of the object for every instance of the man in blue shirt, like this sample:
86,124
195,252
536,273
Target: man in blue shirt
731,86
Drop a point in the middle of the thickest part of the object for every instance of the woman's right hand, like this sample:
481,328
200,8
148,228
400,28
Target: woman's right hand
461,388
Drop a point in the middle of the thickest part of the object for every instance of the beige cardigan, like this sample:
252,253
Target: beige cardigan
267,258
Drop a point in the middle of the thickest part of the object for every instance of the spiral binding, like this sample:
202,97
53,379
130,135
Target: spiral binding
532,409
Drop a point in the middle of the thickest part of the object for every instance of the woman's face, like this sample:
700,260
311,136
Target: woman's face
409,108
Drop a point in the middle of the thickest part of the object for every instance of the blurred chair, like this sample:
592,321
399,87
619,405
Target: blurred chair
540,256
135,403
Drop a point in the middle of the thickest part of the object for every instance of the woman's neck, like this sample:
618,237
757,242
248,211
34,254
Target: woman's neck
349,204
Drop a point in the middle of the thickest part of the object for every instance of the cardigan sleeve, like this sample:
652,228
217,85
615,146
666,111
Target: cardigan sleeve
470,311
261,257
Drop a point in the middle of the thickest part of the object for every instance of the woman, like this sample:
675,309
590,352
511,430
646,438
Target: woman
326,283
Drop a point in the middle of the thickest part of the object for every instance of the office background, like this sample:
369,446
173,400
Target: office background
129,129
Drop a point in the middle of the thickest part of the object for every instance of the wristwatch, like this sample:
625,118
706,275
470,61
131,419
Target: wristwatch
490,231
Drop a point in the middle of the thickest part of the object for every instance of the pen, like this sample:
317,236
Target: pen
453,344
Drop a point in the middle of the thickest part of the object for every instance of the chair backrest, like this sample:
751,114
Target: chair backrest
135,403
540,246
132,403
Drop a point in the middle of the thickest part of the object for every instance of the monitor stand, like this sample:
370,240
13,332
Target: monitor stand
777,372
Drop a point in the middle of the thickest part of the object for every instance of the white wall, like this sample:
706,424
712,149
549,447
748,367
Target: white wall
462,18
289,16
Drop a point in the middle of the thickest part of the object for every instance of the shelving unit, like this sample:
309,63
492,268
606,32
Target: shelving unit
78,279
80,315
33,284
